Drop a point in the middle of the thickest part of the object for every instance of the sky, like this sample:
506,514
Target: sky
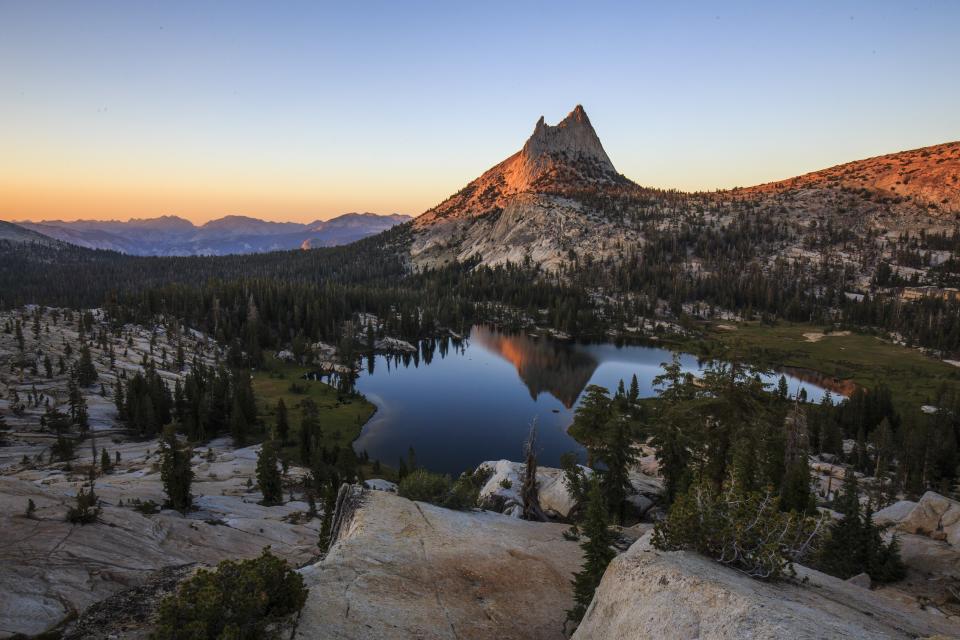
305,110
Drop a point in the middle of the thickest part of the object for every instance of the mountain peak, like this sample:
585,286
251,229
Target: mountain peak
571,143
571,139
554,159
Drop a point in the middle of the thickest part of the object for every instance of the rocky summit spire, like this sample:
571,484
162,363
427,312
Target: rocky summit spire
573,138
571,142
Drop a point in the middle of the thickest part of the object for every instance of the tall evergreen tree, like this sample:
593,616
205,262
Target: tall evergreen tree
86,371
326,523
238,424
597,552
283,422
795,493
617,454
268,475
592,414
176,472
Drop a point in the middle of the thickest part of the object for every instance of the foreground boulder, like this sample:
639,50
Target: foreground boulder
647,593
401,569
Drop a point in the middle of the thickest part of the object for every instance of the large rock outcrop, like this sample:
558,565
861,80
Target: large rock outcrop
935,516
501,492
409,570
648,594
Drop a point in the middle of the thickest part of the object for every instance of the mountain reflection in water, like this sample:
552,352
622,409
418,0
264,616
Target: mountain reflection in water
544,365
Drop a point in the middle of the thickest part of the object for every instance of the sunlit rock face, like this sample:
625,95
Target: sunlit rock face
570,151
544,366
531,204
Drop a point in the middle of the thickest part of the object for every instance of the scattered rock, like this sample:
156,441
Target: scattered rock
861,580
379,484
394,345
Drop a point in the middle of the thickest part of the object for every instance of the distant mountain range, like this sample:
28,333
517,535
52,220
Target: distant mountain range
174,236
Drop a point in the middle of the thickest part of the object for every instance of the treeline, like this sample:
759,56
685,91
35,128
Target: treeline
267,301
738,485
701,253
212,401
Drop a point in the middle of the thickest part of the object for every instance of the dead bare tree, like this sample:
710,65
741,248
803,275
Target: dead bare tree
530,492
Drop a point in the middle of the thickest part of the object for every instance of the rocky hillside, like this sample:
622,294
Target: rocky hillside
15,233
927,178
559,201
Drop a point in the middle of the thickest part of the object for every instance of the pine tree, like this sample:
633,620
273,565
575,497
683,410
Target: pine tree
592,414
634,394
617,454
268,475
86,371
283,423
795,493
597,552
841,555
326,523
782,389
175,472
884,450
105,464
238,424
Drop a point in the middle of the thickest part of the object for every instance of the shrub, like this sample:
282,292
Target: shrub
87,508
440,490
146,507
746,530
239,601
423,486
466,490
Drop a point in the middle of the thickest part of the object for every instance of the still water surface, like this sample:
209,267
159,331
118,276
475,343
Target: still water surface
460,402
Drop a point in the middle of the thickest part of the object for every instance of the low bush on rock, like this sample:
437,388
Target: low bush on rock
746,530
242,600
86,509
438,489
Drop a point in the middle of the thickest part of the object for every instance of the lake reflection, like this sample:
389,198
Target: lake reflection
460,402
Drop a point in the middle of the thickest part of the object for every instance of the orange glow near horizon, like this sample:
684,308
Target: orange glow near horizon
36,201
69,202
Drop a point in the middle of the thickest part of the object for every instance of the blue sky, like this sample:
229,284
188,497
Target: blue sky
294,110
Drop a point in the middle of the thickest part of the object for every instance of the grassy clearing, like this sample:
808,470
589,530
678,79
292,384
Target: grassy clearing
913,377
341,417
